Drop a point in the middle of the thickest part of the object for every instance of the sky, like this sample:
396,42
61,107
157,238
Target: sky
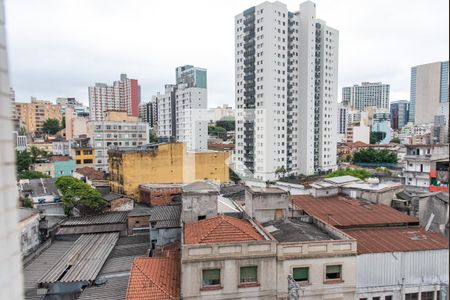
57,48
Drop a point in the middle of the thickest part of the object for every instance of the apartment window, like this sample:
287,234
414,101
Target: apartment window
375,298
333,272
412,296
211,278
388,297
301,274
427,295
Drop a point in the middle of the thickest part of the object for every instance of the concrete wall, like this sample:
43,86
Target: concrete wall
122,204
64,168
29,229
198,204
137,222
264,207
164,236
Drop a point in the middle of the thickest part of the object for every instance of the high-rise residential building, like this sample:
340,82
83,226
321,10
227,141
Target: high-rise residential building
33,115
399,114
148,112
342,118
429,91
123,95
78,107
118,130
367,94
182,109
286,91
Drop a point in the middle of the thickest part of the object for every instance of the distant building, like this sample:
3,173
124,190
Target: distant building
163,163
223,112
20,141
40,191
381,123
56,166
399,114
77,107
117,131
182,109
366,95
123,95
429,91
148,112
76,126
61,148
358,133
342,118
33,115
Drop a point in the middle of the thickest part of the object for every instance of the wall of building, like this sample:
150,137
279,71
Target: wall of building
64,168
137,222
164,236
198,204
29,229
45,168
158,196
122,204
264,207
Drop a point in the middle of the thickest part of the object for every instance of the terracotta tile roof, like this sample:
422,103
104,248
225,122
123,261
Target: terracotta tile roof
345,212
379,240
220,229
155,278
59,158
90,173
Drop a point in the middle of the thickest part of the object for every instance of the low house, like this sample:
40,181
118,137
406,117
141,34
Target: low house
138,219
56,166
40,191
160,194
199,201
29,228
266,203
165,225
88,175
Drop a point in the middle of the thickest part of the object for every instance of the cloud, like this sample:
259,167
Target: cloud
59,47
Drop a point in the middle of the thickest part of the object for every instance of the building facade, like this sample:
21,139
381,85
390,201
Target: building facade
164,163
399,114
368,94
123,95
381,123
286,93
148,112
117,131
182,109
33,115
429,91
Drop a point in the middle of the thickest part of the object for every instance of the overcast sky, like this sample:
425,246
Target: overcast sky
57,48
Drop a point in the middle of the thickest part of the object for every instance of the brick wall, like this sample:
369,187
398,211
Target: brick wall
159,196
11,281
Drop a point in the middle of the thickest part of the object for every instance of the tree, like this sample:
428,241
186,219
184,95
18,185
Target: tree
51,126
280,170
23,161
77,193
29,174
217,131
38,154
371,155
358,173
395,140
27,202
229,125
153,136
63,122
377,136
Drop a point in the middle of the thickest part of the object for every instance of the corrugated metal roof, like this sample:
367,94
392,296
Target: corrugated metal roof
83,261
115,288
140,210
379,240
103,228
167,224
166,212
106,218
347,212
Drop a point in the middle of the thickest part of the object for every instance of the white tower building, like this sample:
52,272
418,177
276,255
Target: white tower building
286,91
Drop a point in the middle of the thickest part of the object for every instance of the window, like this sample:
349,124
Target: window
301,274
333,272
427,295
249,275
211,277
375,298
201,218
388,297
412,296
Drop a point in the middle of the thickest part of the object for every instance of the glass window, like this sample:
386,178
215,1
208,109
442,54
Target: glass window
412,296
301,274
211,277
427,295
388,297
375,298
333,272
249,275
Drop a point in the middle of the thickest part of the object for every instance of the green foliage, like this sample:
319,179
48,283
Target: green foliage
63,122
216,130
228,125
377,136
280,171
37,154
359,173
27,202
384,170
51,126
153,137
28,174
75,192
395,140
371,155
23,161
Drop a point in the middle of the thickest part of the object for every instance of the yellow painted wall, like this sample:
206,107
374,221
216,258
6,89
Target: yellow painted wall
170,164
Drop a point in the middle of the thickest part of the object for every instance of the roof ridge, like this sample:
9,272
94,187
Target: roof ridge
235,226
213,228
153,281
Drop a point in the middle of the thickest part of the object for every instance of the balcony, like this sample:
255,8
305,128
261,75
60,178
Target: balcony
249,61
249,77
250,19
249,28
249,44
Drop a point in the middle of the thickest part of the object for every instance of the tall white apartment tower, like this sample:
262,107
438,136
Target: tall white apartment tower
286,91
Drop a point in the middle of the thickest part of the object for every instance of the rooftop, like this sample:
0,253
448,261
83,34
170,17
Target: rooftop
155,278
343,212
140,210
59,158
220,229
378,240
201,187
160,185
25,213
90,173
106,218
83,261
341,179
296,230
265,190
165,213
112,196
40,187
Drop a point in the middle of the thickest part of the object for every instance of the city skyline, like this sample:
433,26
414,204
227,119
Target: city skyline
70,57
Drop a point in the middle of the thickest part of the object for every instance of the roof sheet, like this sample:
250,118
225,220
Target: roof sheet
342,179
115,288
155,278
83,261
106,218
220,229
377,240
140,210
83,229
90,173
295,230
164,213
347,212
